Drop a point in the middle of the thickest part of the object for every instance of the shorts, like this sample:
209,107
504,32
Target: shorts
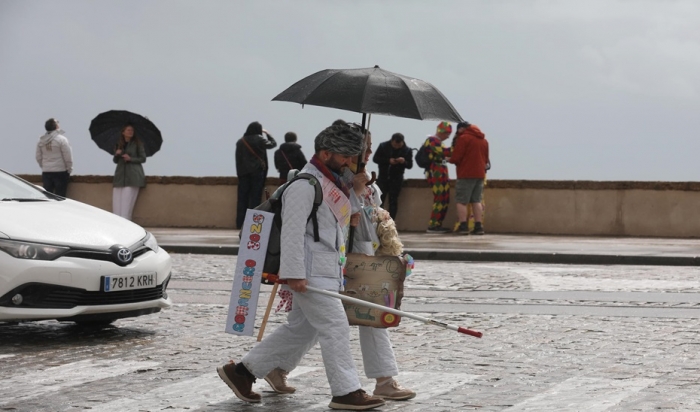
469,190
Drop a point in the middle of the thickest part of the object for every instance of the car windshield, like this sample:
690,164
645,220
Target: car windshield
15,189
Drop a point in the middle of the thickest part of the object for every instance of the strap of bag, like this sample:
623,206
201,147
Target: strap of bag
288,162
245,142
318,199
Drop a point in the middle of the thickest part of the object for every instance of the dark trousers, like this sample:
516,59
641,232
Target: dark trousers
56,182
250,190
392,189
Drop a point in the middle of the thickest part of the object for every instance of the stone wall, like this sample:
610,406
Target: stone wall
657,209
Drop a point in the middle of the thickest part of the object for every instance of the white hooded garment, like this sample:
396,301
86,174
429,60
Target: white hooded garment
53,153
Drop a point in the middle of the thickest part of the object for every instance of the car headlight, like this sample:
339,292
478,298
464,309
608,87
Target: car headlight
32,251
151,242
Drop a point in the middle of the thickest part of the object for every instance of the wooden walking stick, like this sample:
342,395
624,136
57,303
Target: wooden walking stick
267,311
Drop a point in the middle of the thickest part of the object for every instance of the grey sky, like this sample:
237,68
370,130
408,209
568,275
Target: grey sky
585,90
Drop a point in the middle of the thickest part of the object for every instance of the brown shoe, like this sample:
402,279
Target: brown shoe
278,381
392,390
241,385
355,401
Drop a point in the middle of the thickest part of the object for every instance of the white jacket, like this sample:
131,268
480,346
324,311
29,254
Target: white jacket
53,153
301,257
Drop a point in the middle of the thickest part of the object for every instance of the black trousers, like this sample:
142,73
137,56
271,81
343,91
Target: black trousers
391,188
250,191
56,182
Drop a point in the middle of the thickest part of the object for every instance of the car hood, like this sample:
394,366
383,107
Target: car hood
67,222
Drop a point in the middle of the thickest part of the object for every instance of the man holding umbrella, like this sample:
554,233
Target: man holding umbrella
314,317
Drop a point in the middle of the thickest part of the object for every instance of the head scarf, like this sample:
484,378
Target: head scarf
340,139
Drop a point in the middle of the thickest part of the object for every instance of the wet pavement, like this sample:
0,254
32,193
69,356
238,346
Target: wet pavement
488,248
556,338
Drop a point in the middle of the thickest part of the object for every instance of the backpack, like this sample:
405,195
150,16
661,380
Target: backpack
423,155
274,205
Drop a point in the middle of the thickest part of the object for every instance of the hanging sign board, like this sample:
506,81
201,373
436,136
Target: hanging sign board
255,234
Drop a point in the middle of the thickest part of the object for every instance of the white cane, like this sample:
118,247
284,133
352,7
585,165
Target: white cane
395,311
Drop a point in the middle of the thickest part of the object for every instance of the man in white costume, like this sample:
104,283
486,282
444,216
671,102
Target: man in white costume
314,317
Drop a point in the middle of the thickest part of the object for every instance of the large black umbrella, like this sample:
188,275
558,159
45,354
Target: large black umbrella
106,130
374,91
371,91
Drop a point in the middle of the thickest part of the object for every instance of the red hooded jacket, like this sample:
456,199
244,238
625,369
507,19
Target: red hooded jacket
470,152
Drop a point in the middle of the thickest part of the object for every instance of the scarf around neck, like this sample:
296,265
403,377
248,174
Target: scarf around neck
334,177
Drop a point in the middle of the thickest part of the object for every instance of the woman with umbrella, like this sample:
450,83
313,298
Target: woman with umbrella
129,138
129,177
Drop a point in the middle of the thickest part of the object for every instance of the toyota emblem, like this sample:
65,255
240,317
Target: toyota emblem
124,255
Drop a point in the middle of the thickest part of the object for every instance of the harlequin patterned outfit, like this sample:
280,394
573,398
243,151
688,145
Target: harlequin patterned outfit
439,180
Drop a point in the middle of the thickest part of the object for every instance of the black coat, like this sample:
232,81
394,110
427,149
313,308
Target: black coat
248,162
385,152
295,156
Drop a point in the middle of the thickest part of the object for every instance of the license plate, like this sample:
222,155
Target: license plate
128,282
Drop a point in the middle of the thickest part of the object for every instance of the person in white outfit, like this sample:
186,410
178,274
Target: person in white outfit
377,352
314,317
55,157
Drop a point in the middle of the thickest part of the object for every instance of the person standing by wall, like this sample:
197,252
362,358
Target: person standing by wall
129,177
393,158
471,155
314,317
438,177
289,156
251,168
55,157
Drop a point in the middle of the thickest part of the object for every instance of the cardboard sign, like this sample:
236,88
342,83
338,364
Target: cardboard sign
376,279
255,234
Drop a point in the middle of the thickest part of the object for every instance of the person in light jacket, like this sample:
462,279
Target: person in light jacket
55,157
314,317
129,177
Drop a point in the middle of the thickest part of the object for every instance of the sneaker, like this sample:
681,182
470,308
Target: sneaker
391,389
241,385
278,381
477,231
355,401
463,229
438,229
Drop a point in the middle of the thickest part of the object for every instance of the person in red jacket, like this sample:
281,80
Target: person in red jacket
470,153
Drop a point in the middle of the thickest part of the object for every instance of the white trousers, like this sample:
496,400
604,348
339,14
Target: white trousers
377,354
123,200
314,317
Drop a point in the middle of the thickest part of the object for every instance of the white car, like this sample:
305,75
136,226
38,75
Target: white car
65,260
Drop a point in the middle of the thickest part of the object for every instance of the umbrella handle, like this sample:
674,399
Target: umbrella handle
372,180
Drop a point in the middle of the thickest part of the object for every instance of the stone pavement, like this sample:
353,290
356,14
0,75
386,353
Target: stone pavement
487,248
556,338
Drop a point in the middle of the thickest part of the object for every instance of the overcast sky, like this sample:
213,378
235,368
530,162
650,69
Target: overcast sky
582,90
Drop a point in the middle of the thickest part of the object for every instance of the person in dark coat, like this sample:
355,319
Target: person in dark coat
393,158
251,168
289,156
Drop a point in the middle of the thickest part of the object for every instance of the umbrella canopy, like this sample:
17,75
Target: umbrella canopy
374,91
106,129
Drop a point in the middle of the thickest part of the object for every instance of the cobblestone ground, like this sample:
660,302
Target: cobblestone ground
524,362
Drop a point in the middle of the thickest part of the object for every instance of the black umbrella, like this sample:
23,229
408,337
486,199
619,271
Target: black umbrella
374,91
371,91
106,129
